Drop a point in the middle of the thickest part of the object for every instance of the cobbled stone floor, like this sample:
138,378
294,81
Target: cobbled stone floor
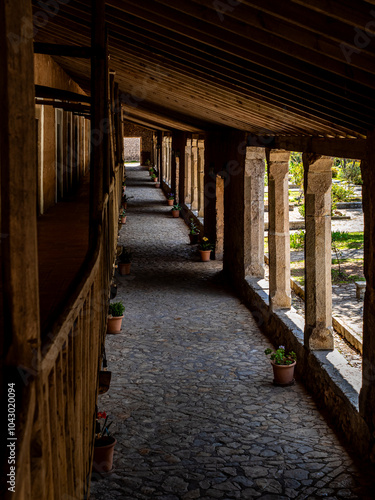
193,407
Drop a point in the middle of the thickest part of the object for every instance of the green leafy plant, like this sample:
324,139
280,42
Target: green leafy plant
153,175
193,228
170,196
147,163
177,206
280,356
297,240
296,169
349,170
205,244
125,256
123,213
116,309
340,193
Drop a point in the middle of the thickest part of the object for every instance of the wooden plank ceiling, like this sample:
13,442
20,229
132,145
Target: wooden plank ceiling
290,67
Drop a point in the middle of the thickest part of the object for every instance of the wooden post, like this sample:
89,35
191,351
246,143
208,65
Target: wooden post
20,324
367,394
99,89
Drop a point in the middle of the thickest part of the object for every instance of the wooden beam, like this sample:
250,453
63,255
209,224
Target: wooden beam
54,49
99,113
66,106
63,95
20,325
339,148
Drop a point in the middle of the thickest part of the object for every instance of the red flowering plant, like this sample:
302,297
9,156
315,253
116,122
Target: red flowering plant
101,429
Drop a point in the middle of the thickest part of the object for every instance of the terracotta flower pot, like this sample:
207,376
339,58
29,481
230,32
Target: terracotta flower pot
205,255
124,268
170,203
157,184
283,374
123,220
103,454
114,324
155,179
176,213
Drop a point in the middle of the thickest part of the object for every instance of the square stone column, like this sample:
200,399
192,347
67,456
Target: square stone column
188,172
278,229
194,174
254,212
201,178
318,286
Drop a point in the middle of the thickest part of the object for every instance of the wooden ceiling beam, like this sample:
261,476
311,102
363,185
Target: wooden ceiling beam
352,111
356,14
299,14
339,148
245,23
151,69
53,49
219,46
63,95
241,75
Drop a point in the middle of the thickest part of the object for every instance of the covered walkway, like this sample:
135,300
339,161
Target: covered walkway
194,410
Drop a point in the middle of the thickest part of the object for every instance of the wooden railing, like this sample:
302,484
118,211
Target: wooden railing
58,420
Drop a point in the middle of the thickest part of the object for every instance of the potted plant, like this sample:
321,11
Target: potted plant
124,201
125,259
205,249
170,199
104,445
115,316
154,177
151,171
123,216
283,364
193,232
176,208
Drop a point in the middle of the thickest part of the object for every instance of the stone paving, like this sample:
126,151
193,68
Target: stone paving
193,407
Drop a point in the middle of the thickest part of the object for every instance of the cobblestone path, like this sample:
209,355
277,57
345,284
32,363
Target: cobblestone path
194,410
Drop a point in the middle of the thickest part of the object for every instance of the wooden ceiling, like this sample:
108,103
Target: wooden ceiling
290,67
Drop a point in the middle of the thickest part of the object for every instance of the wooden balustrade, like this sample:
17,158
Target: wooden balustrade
55,448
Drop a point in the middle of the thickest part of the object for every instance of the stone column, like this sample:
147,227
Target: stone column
219,243
170,161
254,212
318,286
278,229
200,178
188,172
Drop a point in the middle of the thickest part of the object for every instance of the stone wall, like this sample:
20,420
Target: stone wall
146,135
132,148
